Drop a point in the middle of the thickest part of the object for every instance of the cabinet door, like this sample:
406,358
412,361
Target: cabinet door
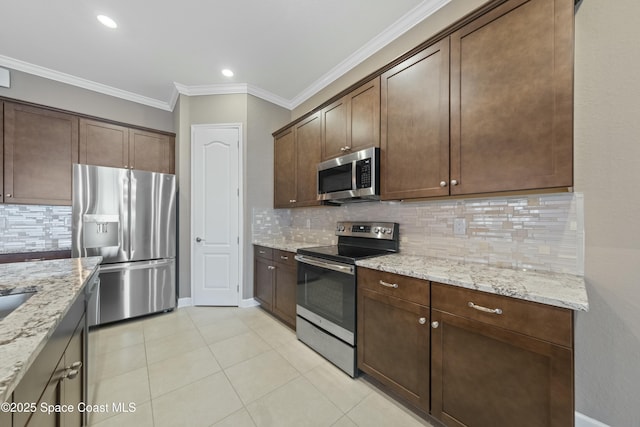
104,144
308,139
284,191
263,271
151,151
40,147
512,98
5,416
415,126
73,385
284,293
364,116
334,129
487,376
393,344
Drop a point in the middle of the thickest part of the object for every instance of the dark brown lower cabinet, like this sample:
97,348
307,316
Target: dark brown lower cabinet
393,334
275,282
483,375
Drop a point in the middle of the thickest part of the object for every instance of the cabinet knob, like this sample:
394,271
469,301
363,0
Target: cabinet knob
284,257
422,320
454,182
70,374
443,183
8,194
75,365
198,239
292,201
271,267
435,325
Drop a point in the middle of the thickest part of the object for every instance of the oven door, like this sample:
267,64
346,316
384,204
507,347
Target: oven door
326,296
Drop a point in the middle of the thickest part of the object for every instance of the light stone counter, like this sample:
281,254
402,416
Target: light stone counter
25,331
557,289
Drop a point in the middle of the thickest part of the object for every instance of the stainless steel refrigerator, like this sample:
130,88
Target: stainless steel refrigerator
129,218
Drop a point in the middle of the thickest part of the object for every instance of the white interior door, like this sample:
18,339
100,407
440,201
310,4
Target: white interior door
215,214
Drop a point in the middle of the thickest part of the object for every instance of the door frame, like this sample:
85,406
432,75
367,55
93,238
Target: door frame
241,220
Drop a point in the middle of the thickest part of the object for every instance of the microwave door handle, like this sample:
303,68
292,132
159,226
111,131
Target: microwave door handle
354,175
347,269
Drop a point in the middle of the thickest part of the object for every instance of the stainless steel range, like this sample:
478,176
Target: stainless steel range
326,294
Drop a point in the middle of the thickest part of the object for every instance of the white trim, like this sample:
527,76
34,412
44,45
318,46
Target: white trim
82,83
246,303
241,159
185,302
584,421
395,30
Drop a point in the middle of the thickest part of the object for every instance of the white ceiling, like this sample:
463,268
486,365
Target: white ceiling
281,50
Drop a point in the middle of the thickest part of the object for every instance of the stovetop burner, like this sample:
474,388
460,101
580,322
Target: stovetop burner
357,241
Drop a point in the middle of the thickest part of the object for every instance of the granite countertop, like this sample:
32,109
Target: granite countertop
557,289
25,331
285,245
32,250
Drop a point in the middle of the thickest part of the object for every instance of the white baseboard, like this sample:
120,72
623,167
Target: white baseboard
185,302
584,421
251,302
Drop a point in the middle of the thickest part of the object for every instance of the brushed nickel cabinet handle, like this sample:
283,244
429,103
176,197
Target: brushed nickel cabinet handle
70,374
271,267
422,320
262,252
485,309
8,194
284,257
443,184
454,182
388,285
435,325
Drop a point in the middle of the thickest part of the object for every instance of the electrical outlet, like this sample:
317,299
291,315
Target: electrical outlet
459,226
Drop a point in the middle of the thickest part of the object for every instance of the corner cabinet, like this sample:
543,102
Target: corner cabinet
297,154
498,361
512,99
352,123
275,282
415,126
40,147
393,333
112,145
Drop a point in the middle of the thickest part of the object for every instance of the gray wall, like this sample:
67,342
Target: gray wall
259,118
30,88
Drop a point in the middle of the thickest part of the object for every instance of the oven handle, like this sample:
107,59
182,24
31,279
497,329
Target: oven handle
341,268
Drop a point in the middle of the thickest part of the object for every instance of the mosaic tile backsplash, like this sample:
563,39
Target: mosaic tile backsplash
538,232
32,228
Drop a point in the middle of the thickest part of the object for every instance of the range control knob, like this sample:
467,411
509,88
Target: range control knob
376,230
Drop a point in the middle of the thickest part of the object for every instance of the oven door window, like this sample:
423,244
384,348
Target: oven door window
329,294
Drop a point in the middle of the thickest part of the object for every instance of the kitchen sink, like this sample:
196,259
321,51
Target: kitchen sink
8,303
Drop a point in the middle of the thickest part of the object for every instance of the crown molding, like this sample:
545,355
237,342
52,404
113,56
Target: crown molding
232,88
395,30
58,76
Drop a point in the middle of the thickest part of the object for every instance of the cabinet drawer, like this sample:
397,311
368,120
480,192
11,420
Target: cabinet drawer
404,287
284,257
262,252
553,324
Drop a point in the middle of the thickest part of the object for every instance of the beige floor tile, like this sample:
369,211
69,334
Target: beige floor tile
202,403
346,422
117,362
297,403
178,371
131,387
238,349
202,316
167,324
256,377
107,340
344,391
276,334
380,411
300,356
255,317
222,330
237,419
173,345
142,417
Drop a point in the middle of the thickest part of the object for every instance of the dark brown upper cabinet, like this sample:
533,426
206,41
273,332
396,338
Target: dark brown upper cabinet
352,123
107,144
284,169
415,126
40,146
512,99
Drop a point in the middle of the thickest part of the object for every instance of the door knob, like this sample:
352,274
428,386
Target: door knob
198,239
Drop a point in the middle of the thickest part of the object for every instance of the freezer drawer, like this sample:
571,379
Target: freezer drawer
136,288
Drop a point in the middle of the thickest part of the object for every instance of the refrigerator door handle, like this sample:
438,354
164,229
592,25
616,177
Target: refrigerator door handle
125,233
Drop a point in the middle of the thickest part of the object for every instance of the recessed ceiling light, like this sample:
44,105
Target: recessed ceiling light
107,22
227,72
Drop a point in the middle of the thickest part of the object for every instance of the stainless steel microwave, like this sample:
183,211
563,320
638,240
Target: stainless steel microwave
350,178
